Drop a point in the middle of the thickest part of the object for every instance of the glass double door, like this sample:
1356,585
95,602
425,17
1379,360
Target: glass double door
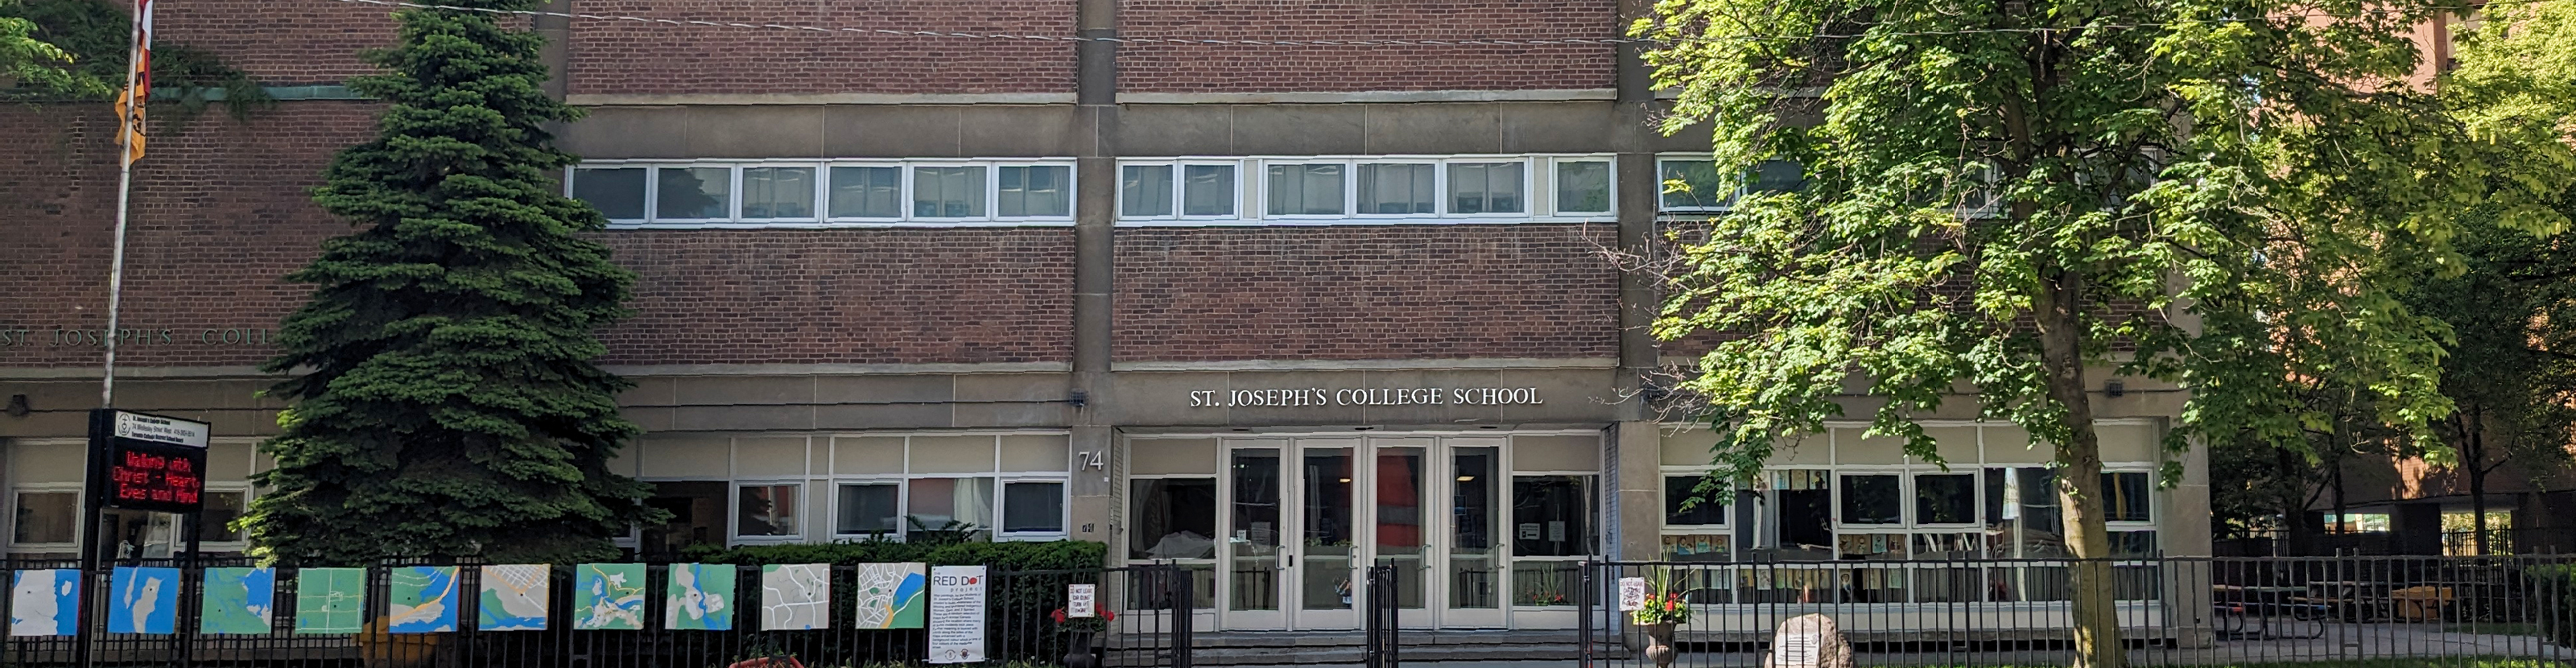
1304,516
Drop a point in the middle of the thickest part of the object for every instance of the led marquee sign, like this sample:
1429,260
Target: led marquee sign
149,462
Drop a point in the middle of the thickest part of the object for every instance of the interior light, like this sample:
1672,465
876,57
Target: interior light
1466,478
1346,480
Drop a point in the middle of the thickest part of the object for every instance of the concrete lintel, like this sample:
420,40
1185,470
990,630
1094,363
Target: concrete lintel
1371,97
1374,365
682,99
833,369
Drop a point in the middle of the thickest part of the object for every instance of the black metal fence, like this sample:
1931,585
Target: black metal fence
2429,611
1020,627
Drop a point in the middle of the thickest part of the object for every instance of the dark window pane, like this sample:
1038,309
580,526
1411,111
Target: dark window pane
869,509
1550,516
1945,499
1174,518
1805,522
1395,189
1485,187
1699,186
1777,176
1306,190
2125,497
693,193
1032,191
697,516
766,510
1679,491
777,192
48,517
948,192
1033,506
617,193
1873,499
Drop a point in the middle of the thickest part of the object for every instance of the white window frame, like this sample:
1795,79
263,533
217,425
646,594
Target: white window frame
1001,507
1976,498
1252,191
72,488
1732,196
902,505
822,217
1664,501
2155,497
1556,209
733,512
248,493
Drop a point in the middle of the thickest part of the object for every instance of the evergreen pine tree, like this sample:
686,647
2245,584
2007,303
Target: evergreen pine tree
446,402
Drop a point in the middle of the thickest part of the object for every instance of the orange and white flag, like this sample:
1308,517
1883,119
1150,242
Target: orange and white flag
138,84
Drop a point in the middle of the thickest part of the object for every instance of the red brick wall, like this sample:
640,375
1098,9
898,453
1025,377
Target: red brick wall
279,43
846,296
1429,291
641,58
220,211
1178,68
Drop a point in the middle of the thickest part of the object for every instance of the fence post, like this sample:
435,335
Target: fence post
1583,614
1185,607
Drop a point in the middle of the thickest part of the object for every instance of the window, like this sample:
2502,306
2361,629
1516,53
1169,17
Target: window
1684,505
765,510
777,192
617,193
1872,499
1174,518
1776,176
697,511
938,502
1207,190
948,192
222,507
1033,507
870,509
695,193
2125,497
1484,187
1397,189
1033,191
1692,185
47,517
1803,517
1945,499
1582,187
867,192
1306,190
1145,191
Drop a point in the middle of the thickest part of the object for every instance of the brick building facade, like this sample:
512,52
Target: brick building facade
1098,291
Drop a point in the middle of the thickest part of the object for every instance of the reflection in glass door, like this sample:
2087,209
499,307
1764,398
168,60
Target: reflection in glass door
1253,559
1474,573
1329,549
1398,525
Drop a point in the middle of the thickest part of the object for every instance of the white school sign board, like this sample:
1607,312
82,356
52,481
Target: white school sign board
956,614
1078,600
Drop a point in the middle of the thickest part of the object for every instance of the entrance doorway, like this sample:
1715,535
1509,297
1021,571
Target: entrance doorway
1476,540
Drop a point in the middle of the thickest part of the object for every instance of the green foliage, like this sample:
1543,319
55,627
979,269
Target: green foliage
2557,586
1009,556
445,396
93,35
38,65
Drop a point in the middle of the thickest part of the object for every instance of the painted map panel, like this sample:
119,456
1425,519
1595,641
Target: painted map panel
45,603
142,600
608,597
421,599
514,597
700,598
330,600
795,597
891,596
239,601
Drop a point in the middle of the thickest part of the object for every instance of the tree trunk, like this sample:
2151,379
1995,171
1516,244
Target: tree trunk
2473,428
2079,478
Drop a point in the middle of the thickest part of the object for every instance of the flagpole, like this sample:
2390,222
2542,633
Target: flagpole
125,134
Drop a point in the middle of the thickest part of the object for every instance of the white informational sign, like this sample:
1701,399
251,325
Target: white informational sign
1078,600
1632,594
1796,650
956,614
159,429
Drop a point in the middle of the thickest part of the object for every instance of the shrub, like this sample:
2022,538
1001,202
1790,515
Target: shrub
2556,586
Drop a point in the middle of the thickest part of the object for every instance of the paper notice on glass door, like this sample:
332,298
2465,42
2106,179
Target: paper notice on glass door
956,614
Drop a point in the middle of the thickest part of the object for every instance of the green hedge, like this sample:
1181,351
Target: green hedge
2556,585
1020,556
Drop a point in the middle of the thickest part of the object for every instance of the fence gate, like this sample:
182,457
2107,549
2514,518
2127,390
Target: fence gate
1381,617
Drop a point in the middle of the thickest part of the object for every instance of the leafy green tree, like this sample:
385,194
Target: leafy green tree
40,68
446,400
2512,370
96,36
2014,199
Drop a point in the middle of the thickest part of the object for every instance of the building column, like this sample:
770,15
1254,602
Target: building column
1637,505
1093,489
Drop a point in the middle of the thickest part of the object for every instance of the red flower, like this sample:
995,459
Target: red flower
1058,615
